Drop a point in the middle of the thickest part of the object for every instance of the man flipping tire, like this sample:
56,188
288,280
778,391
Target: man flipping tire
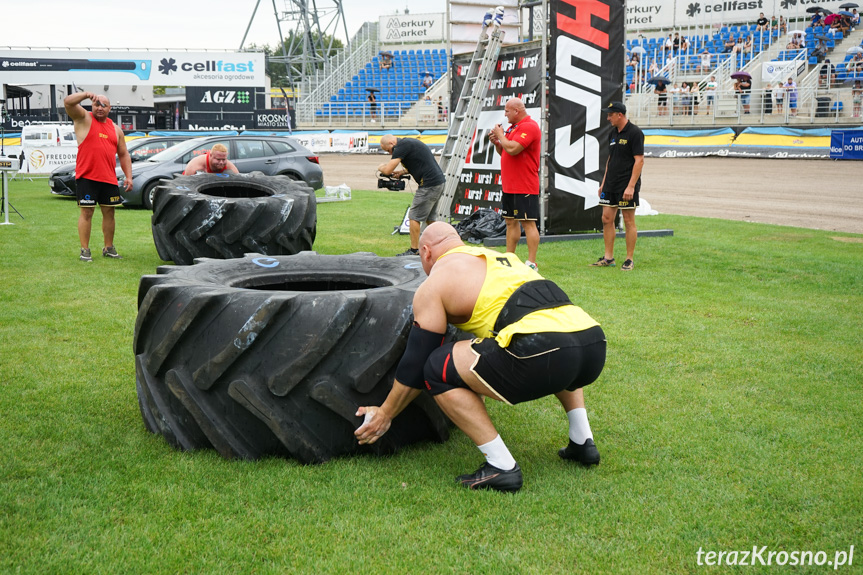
531,342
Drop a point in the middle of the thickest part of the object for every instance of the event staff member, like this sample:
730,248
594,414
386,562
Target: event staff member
531,342
215,161
418,161
99,142
518,147
621,183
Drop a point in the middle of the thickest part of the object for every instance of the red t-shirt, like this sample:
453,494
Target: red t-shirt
97,153
520,173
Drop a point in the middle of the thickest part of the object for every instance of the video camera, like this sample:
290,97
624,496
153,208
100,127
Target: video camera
391,183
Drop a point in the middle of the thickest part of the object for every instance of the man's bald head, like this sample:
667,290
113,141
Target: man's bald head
437,239
516,104
514,110
387,142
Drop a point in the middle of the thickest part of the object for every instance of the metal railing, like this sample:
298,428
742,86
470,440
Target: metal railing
386,114
337,71
802,105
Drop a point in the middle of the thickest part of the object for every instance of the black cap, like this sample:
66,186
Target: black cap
616,107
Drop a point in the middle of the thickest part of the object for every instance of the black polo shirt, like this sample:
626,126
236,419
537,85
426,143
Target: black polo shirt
622,149
419,161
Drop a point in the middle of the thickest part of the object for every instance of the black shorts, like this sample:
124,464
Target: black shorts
539,364
90,192
615,200
520,206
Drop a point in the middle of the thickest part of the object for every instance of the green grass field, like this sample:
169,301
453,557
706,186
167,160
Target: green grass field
728,416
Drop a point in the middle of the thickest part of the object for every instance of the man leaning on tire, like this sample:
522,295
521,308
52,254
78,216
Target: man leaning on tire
214,161
531,342
420,163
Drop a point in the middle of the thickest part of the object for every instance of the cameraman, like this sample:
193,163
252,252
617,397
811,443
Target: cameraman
419,162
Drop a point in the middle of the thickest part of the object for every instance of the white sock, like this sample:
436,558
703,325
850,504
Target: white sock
497,454
579,427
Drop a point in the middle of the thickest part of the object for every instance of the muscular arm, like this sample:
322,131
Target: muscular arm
125,159
230,167
80,117
194,165
511,147
387,168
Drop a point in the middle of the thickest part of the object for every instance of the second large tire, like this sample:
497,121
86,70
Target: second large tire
224,216
272,355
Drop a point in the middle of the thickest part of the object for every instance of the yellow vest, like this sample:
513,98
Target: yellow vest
504,274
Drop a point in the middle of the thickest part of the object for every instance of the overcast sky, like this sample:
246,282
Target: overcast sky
195,24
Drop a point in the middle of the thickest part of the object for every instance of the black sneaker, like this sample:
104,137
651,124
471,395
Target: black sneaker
586,454
409,252
85,255
490,477
603,263
627,265
111,253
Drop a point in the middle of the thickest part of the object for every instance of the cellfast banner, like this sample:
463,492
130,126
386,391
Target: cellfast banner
586,74
517,74
144,68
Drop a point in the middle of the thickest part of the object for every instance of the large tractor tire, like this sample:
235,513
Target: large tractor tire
226,215
264,355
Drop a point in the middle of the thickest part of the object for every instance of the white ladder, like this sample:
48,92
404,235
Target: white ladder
468,106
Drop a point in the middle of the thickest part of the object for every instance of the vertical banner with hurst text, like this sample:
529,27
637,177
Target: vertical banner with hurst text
586,57
516,75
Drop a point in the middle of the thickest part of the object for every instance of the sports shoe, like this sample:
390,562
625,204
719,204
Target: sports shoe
603,263
490,477
85,255
586,454
532,265
409,252
111,253
627,265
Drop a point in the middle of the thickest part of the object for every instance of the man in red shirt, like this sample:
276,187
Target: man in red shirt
214,161
99,141
518,147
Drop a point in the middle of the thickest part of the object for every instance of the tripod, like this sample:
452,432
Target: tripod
7,167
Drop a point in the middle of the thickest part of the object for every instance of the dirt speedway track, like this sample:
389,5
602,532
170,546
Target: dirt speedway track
818,194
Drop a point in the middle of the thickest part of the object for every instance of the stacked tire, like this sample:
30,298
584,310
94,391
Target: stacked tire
226,215
266,355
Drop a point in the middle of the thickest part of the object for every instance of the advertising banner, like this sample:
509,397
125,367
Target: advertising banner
43,160
274,119
411,28
846,145
221,98
586,73
124,68
517,74
335,142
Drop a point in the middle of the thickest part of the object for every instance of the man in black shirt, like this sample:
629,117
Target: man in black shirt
621,183
418,161
762,24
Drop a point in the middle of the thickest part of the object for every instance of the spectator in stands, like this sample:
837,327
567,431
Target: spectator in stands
653,69
386,61
675,98
684,45
693,92
843,24
747,45
778,97
710,89
827,74
817,18
857,99
738,46
767,99
685,100
441,110
705,64
791,93
820,50
743,88
669,44
662,99
729,45
855,19
427,81
634,59
373,105
794,43
675,43
856,63
774,23
762,24
783,25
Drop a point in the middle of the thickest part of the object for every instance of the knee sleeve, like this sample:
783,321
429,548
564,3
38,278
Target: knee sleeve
440,372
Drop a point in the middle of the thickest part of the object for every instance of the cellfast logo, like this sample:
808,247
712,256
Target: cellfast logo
169,65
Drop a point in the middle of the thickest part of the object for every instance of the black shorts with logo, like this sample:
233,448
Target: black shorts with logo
539,364
90,192
612,199
520,206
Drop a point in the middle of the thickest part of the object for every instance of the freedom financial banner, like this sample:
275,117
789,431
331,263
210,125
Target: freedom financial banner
516,75
586,73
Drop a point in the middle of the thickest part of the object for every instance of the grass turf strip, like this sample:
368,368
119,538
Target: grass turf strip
728,416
